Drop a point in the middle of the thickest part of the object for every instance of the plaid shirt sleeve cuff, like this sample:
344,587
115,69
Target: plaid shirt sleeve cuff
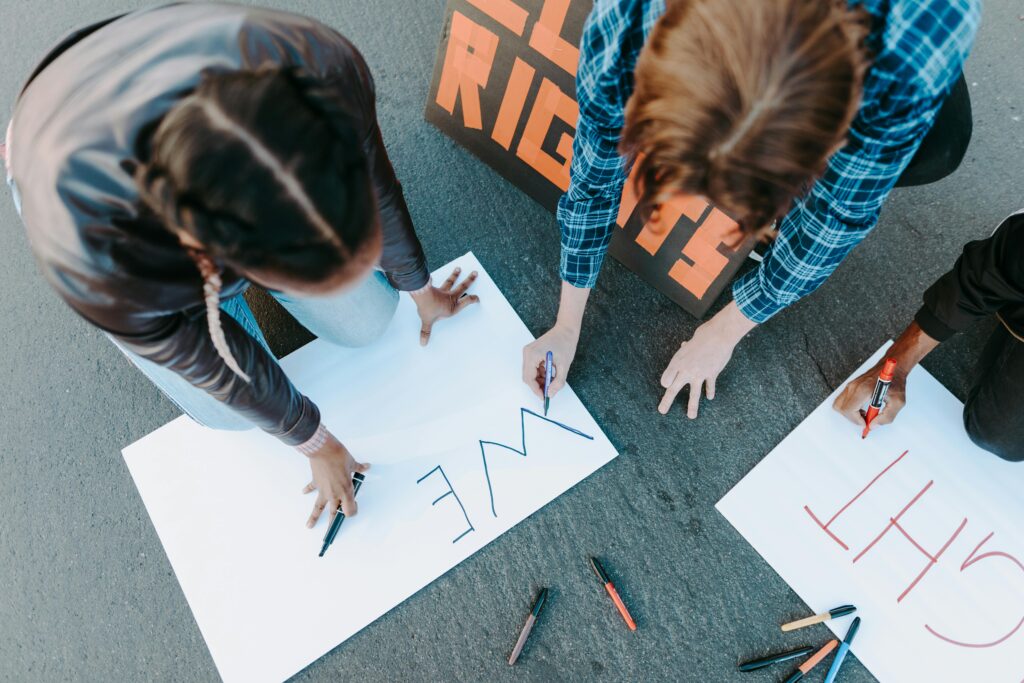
752,299
580,270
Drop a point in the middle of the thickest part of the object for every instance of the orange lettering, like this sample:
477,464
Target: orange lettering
629,199
702,250
467,66
550,102
505,12
546,38
512,103
665,218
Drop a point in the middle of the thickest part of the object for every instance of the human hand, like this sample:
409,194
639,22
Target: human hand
443,302
561,341
699,361
332,467
857,394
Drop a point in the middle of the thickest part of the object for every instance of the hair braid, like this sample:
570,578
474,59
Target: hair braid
159,193
211,295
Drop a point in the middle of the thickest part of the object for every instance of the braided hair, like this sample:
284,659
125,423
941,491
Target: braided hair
265,170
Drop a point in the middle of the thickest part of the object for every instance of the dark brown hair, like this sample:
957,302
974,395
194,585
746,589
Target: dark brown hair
267,172
743,101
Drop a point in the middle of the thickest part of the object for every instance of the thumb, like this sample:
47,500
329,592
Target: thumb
361,467
425,332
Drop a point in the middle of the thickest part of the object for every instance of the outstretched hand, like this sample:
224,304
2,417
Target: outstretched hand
436,303
698,362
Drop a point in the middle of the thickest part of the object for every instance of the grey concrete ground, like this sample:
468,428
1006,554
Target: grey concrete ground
86,592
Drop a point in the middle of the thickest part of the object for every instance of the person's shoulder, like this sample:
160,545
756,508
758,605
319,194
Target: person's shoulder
614,26
944,23
613,35
926,43
287,38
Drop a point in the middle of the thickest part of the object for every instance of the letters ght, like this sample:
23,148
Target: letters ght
931,557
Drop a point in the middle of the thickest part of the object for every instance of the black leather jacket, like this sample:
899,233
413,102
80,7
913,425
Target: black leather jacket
75,136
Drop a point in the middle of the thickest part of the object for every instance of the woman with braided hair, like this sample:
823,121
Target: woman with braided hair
164,159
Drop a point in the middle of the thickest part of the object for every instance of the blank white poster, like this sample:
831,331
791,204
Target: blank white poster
460,453
915,525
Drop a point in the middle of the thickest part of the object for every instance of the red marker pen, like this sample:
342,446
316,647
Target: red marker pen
878,397
610,587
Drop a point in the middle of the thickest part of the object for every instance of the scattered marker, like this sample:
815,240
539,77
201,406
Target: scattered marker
833,613
843,649
755,664
813,661
538,605
610,587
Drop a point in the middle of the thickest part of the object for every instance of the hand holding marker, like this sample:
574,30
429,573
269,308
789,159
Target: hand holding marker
878,397
549,374
339,516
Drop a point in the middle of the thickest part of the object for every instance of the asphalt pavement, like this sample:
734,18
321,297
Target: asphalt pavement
87,593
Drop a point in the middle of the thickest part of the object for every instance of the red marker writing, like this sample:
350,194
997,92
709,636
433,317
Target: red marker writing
878,397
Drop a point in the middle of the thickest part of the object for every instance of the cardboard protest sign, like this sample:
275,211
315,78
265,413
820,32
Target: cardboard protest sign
504,87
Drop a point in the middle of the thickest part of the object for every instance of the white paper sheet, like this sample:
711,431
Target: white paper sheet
962,619
265,603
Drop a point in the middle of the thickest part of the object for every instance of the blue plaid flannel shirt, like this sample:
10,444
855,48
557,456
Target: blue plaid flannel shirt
919,49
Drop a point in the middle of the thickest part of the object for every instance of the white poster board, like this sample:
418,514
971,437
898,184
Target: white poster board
456,462
915,525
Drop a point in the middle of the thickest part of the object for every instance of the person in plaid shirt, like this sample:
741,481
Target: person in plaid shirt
799,113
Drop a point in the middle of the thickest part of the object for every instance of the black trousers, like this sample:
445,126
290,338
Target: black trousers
944,147
994,411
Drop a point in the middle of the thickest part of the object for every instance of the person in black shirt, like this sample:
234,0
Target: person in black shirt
987,279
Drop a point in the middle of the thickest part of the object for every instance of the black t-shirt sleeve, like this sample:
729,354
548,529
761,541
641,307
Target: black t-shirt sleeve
988,276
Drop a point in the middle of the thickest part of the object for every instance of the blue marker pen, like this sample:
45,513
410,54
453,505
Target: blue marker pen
844,647
549,374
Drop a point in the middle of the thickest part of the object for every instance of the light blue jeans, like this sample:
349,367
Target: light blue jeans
356,317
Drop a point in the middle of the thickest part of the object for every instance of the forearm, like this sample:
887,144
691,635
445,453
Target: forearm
571,305
910,348
732,323
402,257
268,399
